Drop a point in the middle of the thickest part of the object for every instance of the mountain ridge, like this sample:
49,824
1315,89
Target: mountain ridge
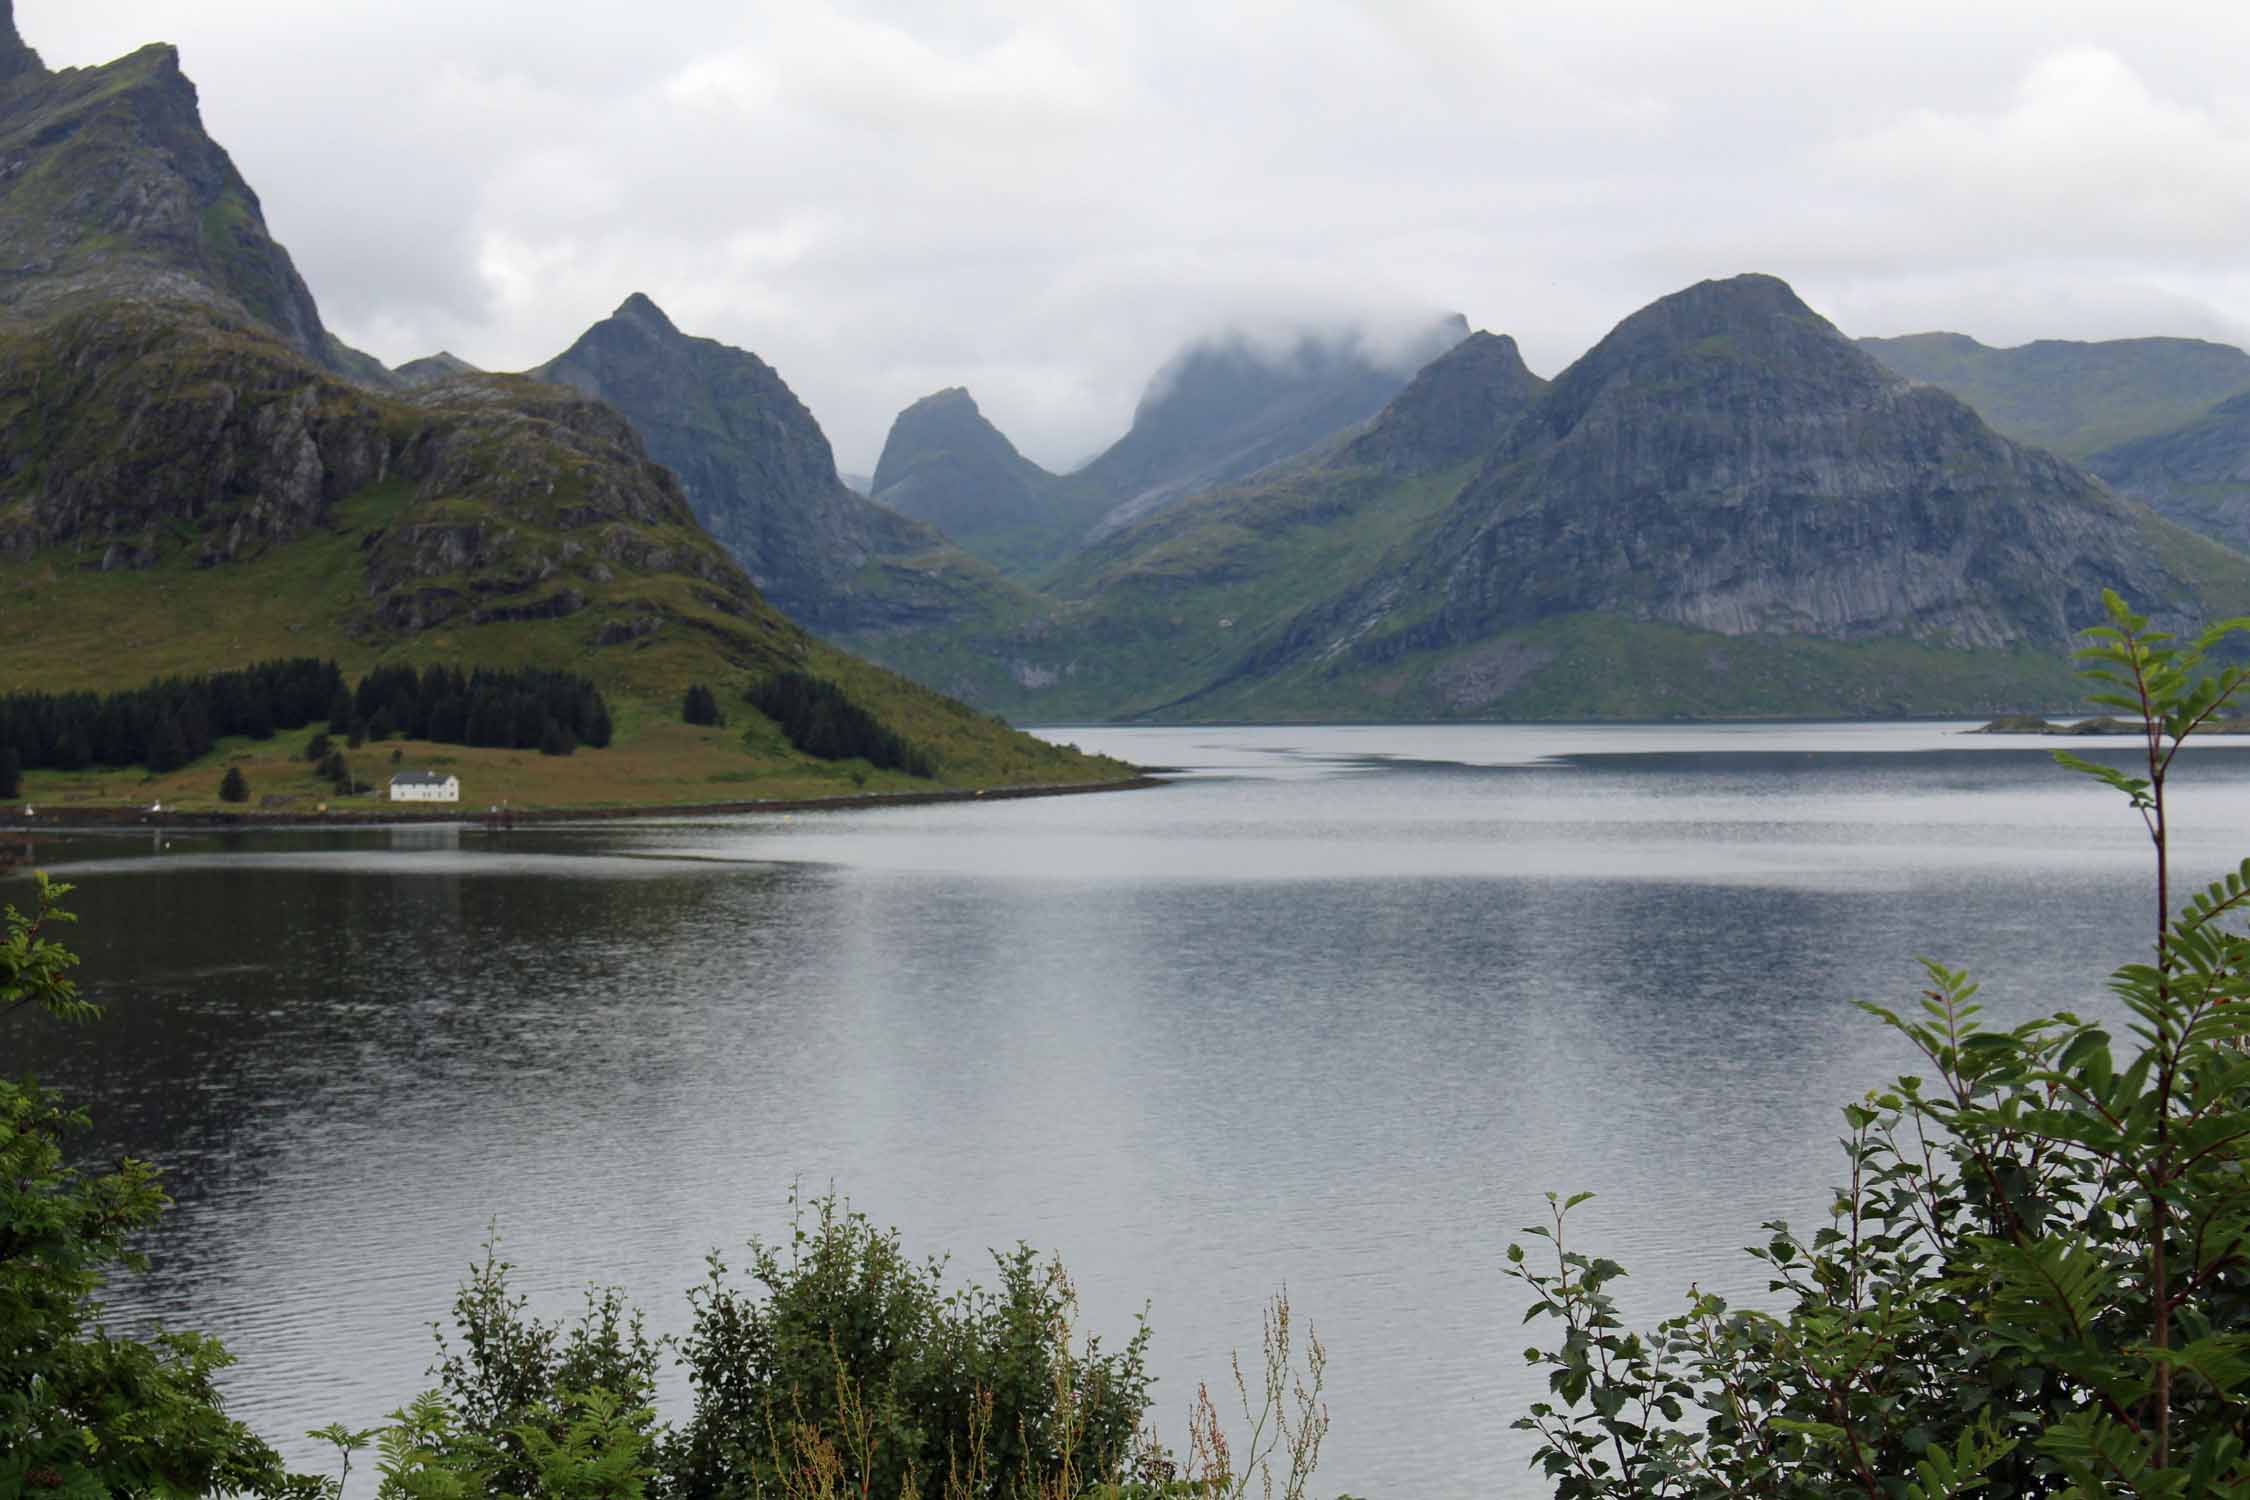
1725,507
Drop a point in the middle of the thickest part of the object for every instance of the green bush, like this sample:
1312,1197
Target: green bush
850,1353
2034,1281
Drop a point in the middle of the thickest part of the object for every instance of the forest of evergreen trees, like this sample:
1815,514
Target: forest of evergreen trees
173,721
820,720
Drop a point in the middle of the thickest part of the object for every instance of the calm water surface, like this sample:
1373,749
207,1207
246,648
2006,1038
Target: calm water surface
1331,1010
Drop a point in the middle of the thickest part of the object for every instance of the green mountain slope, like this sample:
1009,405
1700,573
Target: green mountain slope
2073,398
2197,474
185,486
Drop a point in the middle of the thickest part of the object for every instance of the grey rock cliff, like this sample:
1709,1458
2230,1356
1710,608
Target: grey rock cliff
759,473
110,187
1726,460
945,464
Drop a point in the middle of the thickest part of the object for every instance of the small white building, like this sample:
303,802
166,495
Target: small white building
425,786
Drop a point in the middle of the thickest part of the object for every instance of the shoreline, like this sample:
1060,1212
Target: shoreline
13,820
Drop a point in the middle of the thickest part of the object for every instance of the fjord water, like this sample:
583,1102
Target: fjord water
1331,1010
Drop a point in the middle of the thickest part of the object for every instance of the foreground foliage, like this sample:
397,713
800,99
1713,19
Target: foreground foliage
842,1368
2033,1282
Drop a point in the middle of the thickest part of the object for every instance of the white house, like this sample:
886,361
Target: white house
425,786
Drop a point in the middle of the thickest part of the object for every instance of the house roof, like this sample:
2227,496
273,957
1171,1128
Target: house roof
419,778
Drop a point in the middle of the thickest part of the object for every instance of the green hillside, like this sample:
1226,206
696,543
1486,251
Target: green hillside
2069,397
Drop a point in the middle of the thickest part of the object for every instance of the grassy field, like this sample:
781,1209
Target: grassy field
74,627
658,764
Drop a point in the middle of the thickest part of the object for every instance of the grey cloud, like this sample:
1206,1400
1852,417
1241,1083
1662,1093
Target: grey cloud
1044,199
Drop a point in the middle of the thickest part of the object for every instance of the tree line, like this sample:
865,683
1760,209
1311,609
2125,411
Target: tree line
523,708
175,720
822,721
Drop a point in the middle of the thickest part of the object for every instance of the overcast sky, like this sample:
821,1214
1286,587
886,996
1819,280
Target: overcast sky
1041,199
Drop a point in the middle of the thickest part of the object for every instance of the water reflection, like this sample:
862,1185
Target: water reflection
1335,1014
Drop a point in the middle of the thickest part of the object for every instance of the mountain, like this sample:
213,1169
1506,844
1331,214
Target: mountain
1723,508
1456,409
113,189
945,464
432,368
1225,409
1220,410
761,478
2073,398
187,483
2197,474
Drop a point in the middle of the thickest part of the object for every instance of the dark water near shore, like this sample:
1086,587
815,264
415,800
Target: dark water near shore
1331,1010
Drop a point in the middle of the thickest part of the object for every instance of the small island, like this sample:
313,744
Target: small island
2101,724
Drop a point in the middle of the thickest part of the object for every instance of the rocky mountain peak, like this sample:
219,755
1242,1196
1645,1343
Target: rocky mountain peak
114,188
1725,460
1457,408
16,59
642,310
944,463
946,421
1716,344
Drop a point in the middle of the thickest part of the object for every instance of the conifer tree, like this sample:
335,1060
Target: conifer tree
234,786
167,751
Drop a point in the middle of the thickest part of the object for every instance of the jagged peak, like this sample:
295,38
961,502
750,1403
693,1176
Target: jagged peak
952,398
641,308
16,59
1458,407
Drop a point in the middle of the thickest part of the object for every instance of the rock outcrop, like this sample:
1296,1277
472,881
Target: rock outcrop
110,187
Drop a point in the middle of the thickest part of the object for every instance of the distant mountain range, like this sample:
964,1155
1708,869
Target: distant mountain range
1220,410
1726,507
1723,508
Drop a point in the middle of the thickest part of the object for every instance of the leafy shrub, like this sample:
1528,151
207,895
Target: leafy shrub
851,1345
2035,1281
824,723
